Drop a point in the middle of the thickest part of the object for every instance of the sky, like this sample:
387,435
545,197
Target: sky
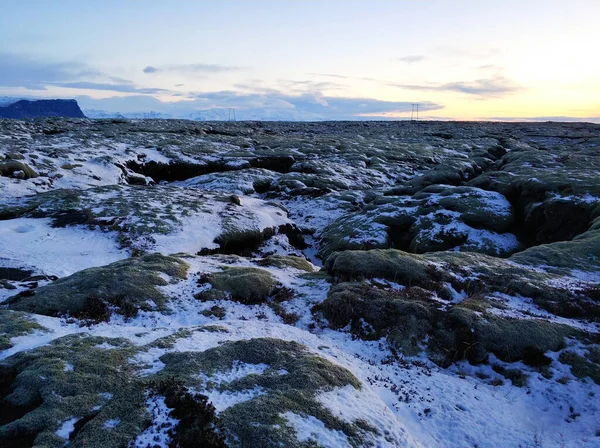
334,59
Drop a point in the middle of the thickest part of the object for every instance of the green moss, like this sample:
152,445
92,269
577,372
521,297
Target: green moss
282,261
410,317
251,423
72,377
245,285
406,317
391,264
13,324
127,284
582,253
509,338
516,376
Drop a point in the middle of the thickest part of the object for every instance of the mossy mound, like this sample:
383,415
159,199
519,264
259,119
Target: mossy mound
87,378
291,382
472,273
143,214
412,321
391,264
245,285
128,285
581,253
12,167
287,261
406,317
13,324
440,217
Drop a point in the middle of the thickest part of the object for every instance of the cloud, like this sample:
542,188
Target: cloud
35,74
549,118
411,59
329,75
188,69
124,88
488,87
38,74
258,105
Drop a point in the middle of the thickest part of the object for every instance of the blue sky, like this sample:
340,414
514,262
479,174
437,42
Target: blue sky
460,59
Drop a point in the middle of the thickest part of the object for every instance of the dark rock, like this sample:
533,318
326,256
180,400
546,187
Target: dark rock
42,108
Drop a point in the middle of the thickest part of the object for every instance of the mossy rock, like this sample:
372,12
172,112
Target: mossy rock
13,324
390,264
406,317
76,376
410,317
9,167
470,272
258,422
287,261
582,253
245,285
510,339
440,217
128,284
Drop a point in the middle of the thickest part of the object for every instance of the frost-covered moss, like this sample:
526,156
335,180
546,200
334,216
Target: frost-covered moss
13,324
245,285
390,264
286,261
127,284
412,322
290,383
584,366
77,376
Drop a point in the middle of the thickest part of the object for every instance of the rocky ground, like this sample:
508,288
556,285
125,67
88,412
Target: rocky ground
402,284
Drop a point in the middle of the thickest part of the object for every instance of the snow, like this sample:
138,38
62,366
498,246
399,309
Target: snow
409,401
57,251
314,430
196,233
66,428
112,423
156,434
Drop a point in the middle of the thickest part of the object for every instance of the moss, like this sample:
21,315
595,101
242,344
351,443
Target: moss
584,367
410,317
582,253
198,424
126,284
245,285
251,423
509,339
168,342
72,377
405,317
13,324
282,261
215,311
391,264
516,376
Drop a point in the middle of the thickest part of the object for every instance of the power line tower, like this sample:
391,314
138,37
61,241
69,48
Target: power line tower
414,114
232,114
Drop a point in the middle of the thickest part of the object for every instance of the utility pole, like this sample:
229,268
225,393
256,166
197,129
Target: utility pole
414,113
232,114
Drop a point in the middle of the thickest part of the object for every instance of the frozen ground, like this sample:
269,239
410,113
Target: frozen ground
332,284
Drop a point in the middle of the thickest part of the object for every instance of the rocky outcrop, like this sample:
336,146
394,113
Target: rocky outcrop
41,108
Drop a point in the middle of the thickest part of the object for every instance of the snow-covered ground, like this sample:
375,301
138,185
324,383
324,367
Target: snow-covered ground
407,400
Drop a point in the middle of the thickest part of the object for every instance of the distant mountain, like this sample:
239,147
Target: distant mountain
215,114
41,108
97,113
